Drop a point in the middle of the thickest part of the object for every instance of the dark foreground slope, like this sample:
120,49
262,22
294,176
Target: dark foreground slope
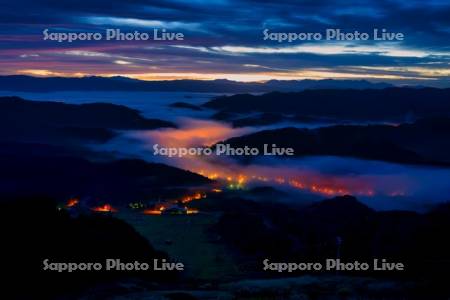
343,228
34,230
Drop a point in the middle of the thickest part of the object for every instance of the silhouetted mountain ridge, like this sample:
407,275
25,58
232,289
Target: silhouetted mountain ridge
119,83
61,175
423,142
397,104
38,121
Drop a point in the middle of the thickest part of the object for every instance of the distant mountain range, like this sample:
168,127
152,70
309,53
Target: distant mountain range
25,83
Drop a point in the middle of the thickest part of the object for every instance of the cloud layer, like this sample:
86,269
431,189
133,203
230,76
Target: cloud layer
224,39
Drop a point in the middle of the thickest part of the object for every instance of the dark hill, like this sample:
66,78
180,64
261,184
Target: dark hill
62,176
36,230
185,106
23,120
395,104
425,141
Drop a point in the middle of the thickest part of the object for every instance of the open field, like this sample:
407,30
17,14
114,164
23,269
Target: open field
185,239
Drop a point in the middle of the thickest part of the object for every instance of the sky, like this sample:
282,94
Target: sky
225,39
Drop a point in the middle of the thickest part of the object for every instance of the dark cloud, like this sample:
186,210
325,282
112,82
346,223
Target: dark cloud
211,25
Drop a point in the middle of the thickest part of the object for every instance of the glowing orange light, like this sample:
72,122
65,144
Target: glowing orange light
318,187
241,179
196,196
191,211
72,202
213,176
280,180
104,208
152,211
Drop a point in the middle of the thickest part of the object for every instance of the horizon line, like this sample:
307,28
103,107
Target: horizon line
190,79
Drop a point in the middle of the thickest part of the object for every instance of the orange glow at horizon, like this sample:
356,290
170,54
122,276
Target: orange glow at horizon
263,76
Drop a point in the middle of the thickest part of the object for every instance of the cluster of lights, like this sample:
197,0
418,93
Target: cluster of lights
104,208
160,208
238,182
136,205
196,196
107,208
73,202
